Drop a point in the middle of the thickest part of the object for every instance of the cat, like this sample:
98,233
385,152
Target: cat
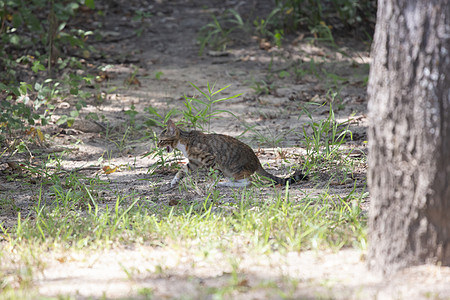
233,158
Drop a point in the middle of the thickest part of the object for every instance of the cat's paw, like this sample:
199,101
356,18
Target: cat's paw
174,182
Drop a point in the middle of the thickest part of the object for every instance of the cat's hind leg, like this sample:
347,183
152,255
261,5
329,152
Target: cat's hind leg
235,183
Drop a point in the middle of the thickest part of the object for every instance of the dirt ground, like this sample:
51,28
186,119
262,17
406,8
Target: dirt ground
168,44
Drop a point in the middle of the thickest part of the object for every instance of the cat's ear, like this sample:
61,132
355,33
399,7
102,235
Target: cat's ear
171,127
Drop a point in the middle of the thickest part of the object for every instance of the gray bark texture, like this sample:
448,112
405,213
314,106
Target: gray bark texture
409,135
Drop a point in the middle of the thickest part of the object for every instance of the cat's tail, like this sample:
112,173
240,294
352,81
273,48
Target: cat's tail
297,176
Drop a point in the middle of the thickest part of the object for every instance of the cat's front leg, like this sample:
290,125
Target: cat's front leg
178,176
188,168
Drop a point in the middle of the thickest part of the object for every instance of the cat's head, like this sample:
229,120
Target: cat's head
169,137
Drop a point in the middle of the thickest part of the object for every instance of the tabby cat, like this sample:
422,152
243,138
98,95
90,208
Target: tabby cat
233,158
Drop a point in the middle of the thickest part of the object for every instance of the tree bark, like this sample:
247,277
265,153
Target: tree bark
409,135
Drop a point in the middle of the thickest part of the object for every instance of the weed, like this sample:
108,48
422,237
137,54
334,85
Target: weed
131,113
147,293
262,87
283,74
217,34
323,143
280,222
24,104
322,33
158,119
199,112
266,137
141,16
8,204
132,78
265,27
351,13
158,75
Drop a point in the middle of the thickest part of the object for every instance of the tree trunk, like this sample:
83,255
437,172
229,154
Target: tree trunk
409,135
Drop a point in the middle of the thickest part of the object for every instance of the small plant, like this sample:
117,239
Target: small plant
145,292
217,34
326,138
264,27
322,32
262,87
141,15
268,137
32,40
199,111
131,113
157,118
132,78
354,12
158,75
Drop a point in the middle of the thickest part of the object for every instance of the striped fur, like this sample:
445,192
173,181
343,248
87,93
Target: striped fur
233,158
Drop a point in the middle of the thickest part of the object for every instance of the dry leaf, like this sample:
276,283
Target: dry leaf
243,283
109,170
62,259
173,202
132,80
35,132
281,154
265,44
40,135
14,166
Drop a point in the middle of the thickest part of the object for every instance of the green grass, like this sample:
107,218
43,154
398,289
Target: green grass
70,212
74,217
321,18
279,222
